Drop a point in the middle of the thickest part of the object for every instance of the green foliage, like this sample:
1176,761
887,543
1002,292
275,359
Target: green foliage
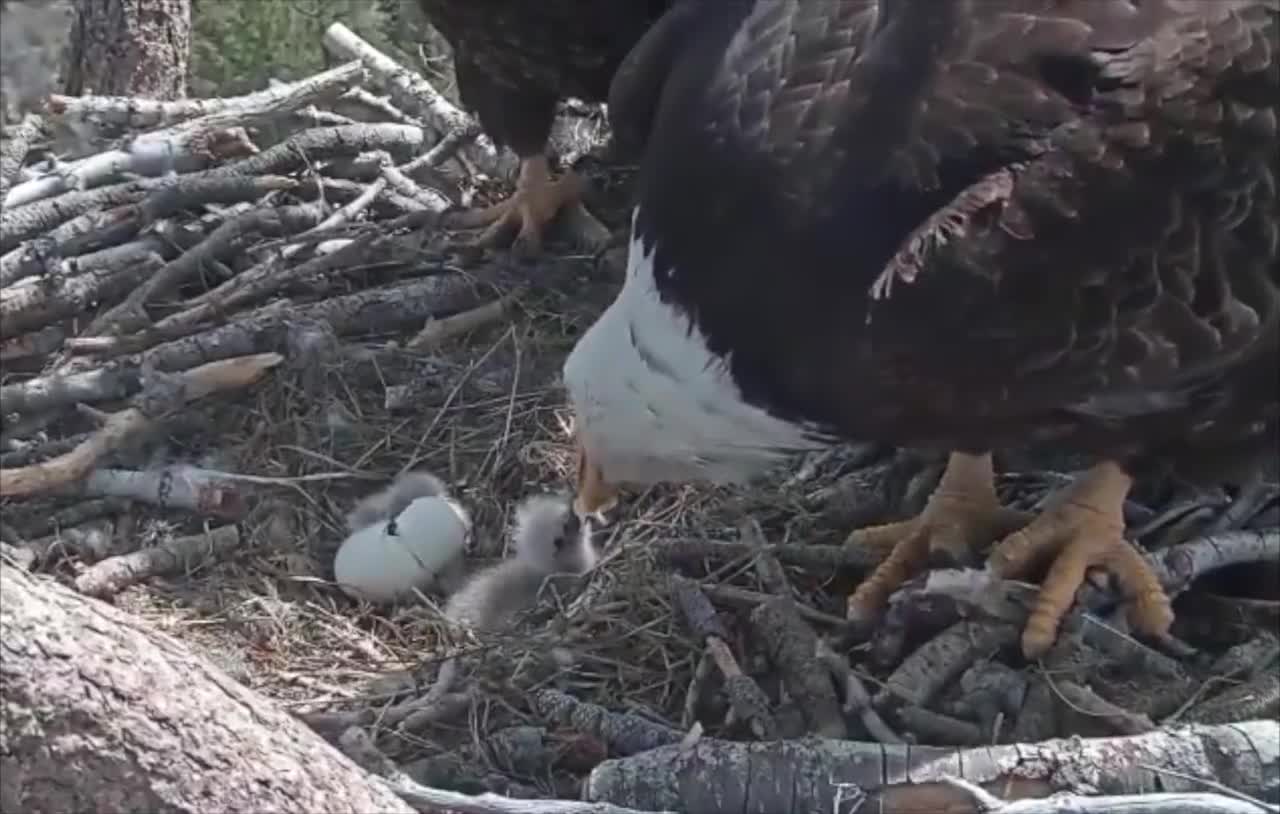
237,45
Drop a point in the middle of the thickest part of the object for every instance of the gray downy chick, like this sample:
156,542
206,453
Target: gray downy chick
388,502
548,538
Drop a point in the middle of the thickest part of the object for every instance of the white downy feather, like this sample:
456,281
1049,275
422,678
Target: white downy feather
652,403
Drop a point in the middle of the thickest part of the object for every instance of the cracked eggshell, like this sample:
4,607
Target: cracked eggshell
430,535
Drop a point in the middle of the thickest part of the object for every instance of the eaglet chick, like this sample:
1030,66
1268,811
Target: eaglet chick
547,538
387,503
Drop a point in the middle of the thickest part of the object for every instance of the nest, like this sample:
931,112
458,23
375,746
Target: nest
205,371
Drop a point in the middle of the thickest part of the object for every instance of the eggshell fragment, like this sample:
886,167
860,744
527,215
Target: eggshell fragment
430,535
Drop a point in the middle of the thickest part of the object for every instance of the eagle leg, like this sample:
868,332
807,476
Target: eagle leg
537,200
963,515
1083,528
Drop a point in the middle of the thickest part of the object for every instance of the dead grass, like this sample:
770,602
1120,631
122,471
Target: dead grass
494,425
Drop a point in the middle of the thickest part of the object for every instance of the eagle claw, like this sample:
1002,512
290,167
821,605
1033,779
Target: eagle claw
963,515
1082,529
528,212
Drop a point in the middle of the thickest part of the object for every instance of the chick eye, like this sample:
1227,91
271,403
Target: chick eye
558,543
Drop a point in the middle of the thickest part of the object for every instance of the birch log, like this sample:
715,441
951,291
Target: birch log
818,774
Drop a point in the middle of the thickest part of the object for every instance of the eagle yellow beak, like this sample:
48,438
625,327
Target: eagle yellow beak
595,496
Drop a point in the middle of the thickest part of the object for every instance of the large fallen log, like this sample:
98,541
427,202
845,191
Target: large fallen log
818,774
102,713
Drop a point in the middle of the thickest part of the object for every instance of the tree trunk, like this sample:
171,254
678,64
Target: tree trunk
102,713
129,48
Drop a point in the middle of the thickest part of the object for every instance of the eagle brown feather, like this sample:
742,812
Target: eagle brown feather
967,224
1132,253
514,59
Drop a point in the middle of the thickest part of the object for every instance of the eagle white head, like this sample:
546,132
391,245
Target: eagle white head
652,404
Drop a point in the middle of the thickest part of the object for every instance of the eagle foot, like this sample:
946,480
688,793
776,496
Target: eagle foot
962,517
537,200
1082,529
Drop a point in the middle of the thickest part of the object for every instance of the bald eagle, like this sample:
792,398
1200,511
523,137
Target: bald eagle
514,60
949,224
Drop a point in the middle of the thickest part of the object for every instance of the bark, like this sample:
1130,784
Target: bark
31,346
943,659
112,575
102,713
146,114
792,647
624,733
166,393
269,327
160,197
14,148
747,700
412,92
129,48
830,775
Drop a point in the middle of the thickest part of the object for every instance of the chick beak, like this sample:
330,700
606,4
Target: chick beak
596,497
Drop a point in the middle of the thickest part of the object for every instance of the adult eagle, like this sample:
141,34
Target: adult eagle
514,60
968,225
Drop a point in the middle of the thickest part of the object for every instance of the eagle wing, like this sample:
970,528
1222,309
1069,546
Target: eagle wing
1074,201
515,59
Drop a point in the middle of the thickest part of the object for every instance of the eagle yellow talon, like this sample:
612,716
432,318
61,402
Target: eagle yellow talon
537,200
963,515
1082,529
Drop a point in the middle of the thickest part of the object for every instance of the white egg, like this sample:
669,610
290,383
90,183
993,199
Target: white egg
429,537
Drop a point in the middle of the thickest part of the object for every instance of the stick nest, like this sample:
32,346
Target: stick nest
370,339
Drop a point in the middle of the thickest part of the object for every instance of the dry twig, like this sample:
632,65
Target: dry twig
792,646
228,374
747,699
623,734
413,92
142,114
358,746
114,574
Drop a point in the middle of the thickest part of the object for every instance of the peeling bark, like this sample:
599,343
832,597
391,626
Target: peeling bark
101,713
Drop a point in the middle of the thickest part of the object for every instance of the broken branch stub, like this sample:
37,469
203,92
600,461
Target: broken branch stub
114,574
